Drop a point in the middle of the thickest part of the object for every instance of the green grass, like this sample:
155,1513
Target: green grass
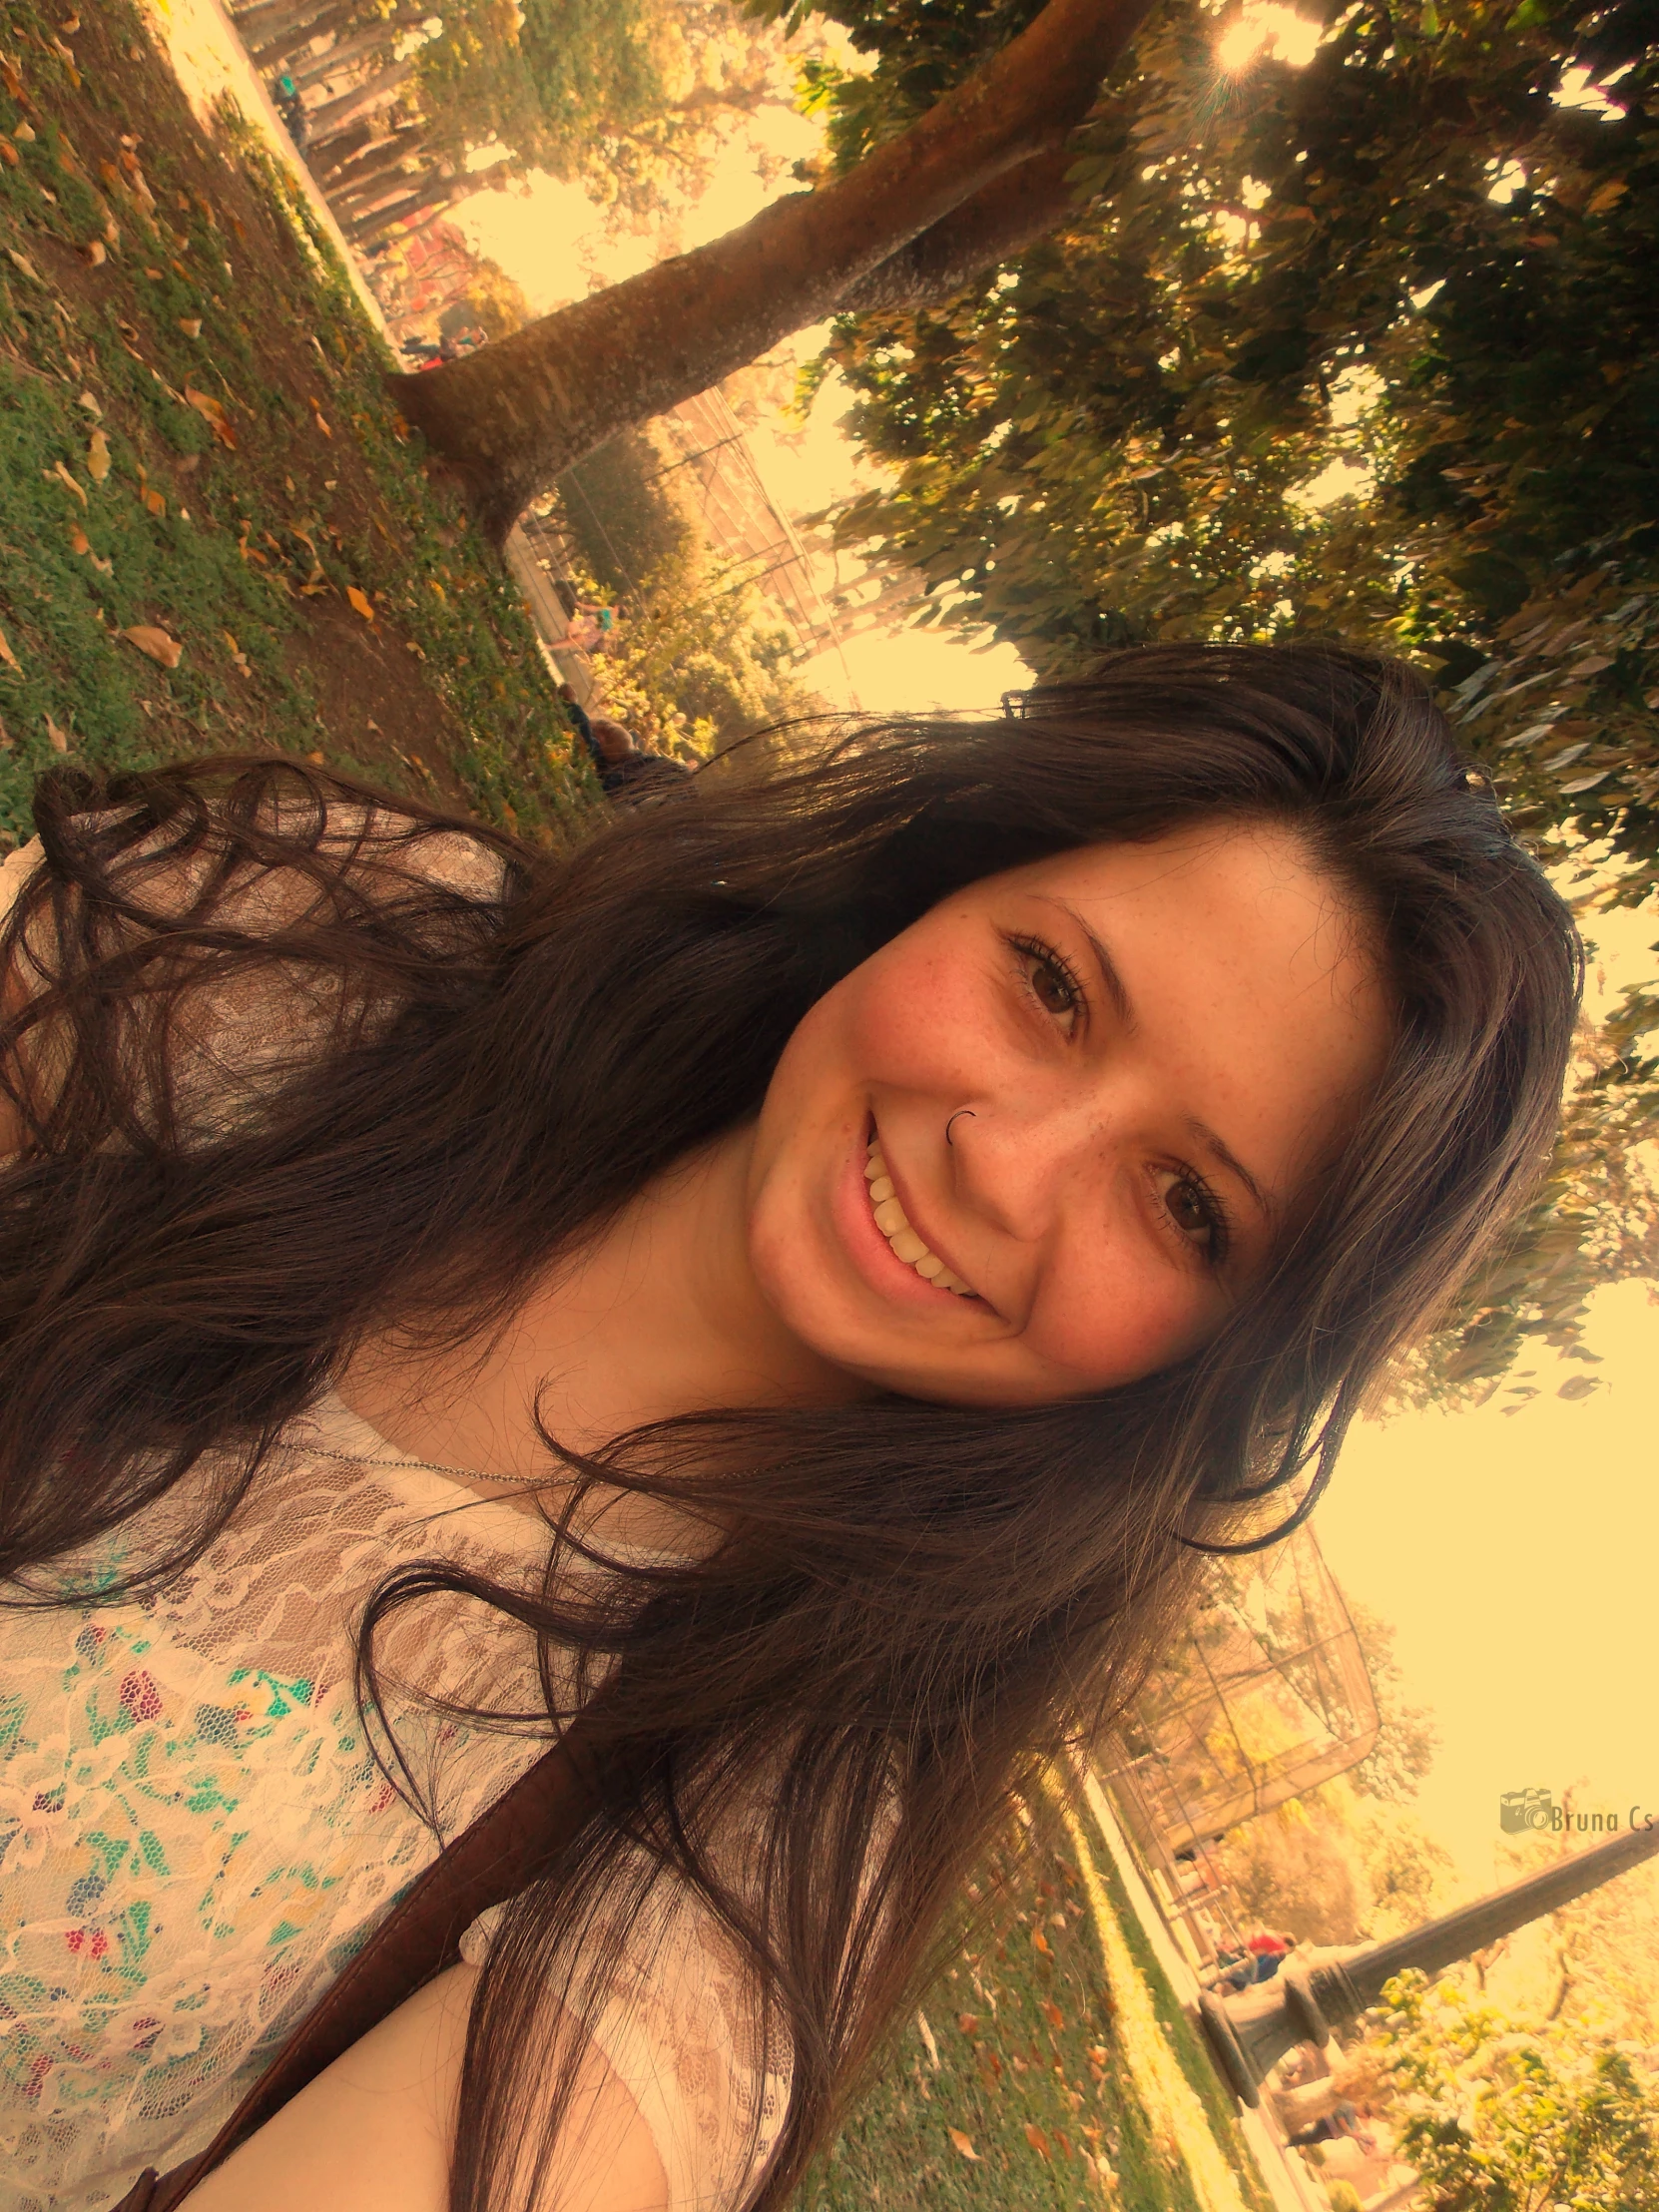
1032,2071
257,475
1191,2054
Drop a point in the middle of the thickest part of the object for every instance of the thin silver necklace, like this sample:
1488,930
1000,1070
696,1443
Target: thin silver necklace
431,1467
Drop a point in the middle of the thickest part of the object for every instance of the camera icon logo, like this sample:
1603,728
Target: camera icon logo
1526,1812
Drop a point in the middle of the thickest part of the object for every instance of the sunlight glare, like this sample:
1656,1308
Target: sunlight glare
1267,27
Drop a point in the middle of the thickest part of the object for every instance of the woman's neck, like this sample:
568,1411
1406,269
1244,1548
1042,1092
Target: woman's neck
658,1316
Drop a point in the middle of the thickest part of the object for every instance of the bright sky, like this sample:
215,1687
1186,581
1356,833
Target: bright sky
1517,1553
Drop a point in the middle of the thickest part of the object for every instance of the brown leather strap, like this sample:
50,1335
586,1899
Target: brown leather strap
503,1850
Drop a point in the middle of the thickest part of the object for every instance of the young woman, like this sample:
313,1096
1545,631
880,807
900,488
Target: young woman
821,1261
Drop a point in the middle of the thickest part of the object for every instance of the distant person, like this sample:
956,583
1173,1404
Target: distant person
626,771
1342,2120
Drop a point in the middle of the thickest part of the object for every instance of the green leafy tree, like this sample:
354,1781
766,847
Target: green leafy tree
630,97
1497,2119
1407,1737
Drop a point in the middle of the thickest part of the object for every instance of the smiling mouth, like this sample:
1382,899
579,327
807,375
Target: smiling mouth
894,1224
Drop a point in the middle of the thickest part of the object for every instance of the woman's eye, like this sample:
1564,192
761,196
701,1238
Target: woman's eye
1196,1214
1052,984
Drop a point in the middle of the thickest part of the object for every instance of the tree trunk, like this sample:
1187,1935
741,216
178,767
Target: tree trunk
347,147
278,18
338,114
343,52
363,151
1010,213
367,187
269,49
514,416
380,34
415,206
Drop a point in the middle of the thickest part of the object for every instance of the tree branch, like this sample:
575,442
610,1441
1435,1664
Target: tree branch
1002,219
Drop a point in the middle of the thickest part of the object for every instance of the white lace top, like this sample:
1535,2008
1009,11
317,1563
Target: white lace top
194,1838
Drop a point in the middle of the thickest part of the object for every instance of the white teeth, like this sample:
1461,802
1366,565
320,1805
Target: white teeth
891,1220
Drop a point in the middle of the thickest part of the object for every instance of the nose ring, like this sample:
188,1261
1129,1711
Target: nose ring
957,1116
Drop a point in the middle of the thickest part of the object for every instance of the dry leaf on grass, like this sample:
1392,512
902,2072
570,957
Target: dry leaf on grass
963,2143
60,740
8,656
8,153
236,654
91,405
318,417
1037,2139
212,415
156,643
359,602
190,324
92,252
98,454
1039,1941
1054,2014
62,474
153,500
79,541
23,263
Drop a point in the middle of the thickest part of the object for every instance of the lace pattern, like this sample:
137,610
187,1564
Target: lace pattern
195,1836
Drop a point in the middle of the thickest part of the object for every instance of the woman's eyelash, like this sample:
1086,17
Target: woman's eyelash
1220,1225
1049,957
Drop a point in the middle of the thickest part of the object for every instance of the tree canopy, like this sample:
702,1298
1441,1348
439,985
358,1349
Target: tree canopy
1366,347
626,97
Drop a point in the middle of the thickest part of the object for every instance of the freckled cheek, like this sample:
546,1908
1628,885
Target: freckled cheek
1113,1319
916,1024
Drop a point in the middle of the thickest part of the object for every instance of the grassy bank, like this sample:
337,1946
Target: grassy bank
1029,2079
215,530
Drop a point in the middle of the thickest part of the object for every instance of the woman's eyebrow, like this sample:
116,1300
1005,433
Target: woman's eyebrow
1111,980
1266,1206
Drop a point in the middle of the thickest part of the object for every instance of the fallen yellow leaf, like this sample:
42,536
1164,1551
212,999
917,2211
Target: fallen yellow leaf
159,646
190,324
1039,1941
79,541
153,500
1056,2018
98,454
8,656
64,477
212,415
91,405
236,654
968,2022
964,2143
23,263
60,743
92,252
8,153
359,602
1037,2139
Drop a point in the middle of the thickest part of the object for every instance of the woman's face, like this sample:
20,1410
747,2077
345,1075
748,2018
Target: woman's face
1158,1046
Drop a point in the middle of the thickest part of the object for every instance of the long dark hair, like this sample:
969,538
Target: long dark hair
819,1723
